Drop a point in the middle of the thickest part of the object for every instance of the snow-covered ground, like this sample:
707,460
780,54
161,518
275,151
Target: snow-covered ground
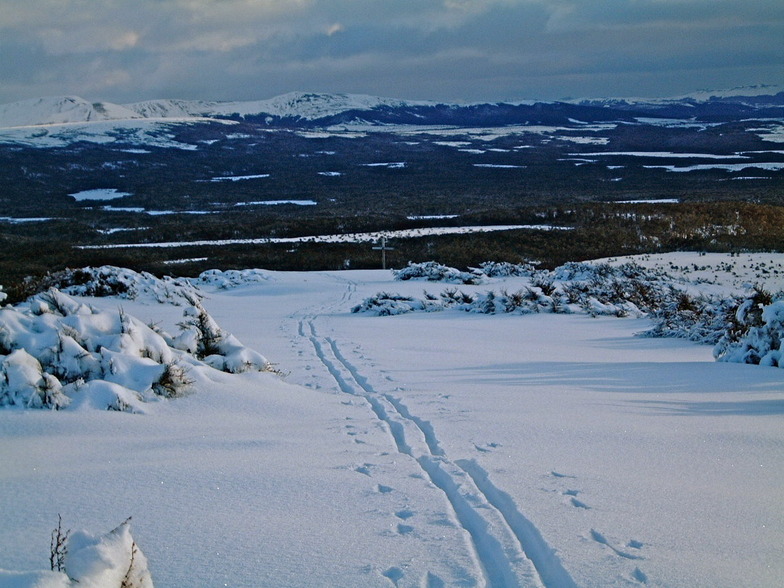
427,449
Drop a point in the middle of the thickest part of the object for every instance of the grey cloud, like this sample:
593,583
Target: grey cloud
437,49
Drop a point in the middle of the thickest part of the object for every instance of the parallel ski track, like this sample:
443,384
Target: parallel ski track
495,560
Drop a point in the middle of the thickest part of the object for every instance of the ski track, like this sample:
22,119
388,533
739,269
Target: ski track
507,547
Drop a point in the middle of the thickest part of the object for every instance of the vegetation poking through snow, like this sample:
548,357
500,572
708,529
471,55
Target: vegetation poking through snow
202,337
56,352
79,559
58,546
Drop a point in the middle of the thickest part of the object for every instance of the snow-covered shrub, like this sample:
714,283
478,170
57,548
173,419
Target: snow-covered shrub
225,279
756,334
595,289
504,269
56,352
79,559
202,336
385,304
23,382
703,319
109,280
435,272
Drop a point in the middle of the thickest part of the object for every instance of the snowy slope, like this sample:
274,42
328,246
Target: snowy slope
444,449
300,105
60,109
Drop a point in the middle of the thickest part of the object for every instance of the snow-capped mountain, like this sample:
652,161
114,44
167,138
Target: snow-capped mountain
59,110
314,110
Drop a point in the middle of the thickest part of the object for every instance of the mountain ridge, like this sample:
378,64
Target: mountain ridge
321,109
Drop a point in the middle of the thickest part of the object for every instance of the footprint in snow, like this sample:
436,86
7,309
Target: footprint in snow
404,529
601,539
559,475
579,504
487,448
384,489
364,469
394,574
639,576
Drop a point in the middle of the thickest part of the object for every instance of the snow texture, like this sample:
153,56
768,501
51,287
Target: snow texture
425,449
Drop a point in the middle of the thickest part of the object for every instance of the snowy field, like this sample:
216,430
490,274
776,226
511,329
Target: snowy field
423,450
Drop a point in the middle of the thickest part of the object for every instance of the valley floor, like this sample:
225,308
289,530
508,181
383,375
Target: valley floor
439,449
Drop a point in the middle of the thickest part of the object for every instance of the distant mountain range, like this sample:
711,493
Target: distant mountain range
311,110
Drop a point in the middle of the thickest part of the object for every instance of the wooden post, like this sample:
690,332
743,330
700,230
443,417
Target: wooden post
383,248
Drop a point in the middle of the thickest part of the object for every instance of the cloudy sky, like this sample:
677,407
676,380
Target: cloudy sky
451,50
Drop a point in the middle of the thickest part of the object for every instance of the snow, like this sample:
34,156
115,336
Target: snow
276,202
387,164
59,109
499,165
651,201
14,220
341,238
238,178
99,194
444,449
664,154
730,167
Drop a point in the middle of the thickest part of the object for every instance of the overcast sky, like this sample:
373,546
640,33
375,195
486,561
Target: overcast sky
448,50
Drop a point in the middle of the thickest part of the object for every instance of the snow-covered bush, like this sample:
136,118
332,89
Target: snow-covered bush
703,319
226,279
596,289
202,336
756,334
56,352
82,560
504,269
109,280
432,271
385,304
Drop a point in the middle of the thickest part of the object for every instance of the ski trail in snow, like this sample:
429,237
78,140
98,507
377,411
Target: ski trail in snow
508,548
531,541
425,427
